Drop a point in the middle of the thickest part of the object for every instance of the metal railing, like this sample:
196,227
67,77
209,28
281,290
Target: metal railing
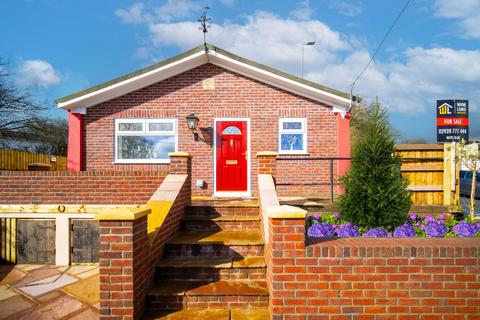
331,169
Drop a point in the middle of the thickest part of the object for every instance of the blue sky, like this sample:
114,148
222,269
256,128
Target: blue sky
57,47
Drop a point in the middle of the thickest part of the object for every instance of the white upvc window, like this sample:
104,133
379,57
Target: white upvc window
292,135
145,140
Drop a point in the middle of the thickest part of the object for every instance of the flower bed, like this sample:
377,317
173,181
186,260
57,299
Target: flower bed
332,226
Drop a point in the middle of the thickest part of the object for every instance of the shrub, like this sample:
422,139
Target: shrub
376,195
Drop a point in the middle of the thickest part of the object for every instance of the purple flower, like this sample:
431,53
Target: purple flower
412,217
321,230
375,233
436,229
441,217
429,219
336,216
316,216
405,231
465,229
347,230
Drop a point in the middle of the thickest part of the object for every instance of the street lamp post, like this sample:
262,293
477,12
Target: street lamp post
310,43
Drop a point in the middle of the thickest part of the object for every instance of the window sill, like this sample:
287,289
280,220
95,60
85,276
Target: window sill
283,153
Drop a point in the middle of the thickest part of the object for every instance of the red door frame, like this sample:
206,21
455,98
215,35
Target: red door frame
238,150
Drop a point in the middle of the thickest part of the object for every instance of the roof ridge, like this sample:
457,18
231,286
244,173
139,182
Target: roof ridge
195,50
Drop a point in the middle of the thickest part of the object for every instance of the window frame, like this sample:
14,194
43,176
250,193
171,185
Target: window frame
144,132
302,131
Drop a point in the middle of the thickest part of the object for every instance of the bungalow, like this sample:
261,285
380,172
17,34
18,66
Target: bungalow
234,107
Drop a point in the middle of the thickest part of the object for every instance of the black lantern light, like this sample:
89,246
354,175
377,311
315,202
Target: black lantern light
192,123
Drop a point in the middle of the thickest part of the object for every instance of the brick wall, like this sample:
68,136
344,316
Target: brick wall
128,255
92,187
234,96
371,278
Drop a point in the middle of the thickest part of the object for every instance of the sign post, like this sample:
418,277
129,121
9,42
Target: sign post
452,120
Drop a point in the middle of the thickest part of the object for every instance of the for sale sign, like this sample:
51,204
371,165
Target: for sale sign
452,120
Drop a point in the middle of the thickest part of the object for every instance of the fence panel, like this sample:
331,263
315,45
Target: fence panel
432,171
19,160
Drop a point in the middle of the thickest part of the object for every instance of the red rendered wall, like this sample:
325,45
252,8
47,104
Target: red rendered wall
75,142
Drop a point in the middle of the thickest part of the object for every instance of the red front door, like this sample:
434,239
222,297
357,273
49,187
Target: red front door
231,156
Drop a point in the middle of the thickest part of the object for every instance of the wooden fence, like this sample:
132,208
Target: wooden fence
19,160
433,172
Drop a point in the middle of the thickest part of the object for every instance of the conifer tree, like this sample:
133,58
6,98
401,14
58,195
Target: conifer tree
376,195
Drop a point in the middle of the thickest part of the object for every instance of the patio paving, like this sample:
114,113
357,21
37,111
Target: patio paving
49,292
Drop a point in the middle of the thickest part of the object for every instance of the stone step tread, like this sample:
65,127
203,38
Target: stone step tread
217,263
211,314
210,288
225,237
220,218
241,203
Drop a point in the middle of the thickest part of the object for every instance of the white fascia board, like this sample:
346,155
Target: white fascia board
136,83
279,81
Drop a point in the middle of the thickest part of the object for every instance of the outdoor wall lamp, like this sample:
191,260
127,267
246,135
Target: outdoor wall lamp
192,123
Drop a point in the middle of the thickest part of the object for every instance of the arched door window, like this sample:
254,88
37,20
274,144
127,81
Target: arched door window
231,130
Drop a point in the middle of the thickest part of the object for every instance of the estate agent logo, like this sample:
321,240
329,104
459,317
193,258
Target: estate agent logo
445,109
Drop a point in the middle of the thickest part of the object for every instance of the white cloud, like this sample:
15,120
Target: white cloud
345,8
303,12
176,9
466,11
409,82
134,14
37,73
172,9
264,37
411,86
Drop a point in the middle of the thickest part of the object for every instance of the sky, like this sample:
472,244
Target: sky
57,47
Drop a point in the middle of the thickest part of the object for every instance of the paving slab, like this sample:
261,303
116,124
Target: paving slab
45,272
57,309
49,296
12,276
43,286
86,290
29,267
6,292
87,314
88,274
74,270
15,305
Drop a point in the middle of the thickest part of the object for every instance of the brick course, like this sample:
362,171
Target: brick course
361,278
128,255
84,187
234,96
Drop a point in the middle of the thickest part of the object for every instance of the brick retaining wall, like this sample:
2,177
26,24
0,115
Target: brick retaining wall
361,278
91,187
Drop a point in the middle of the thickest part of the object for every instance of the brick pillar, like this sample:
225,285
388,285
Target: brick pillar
267,162
181,163
286,244
124,263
